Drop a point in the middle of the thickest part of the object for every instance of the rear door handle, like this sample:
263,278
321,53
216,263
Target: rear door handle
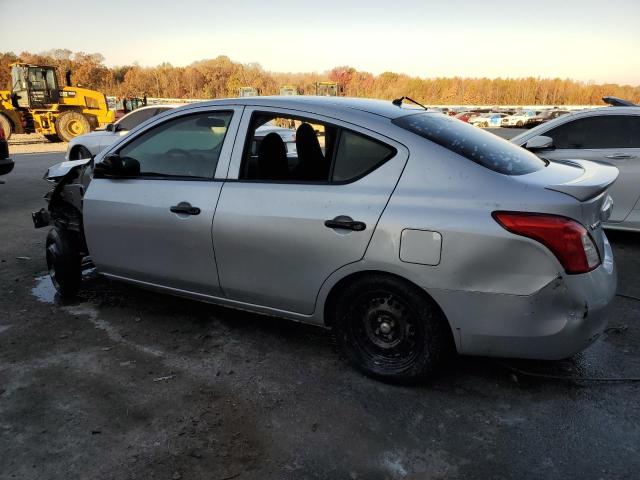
185,208
346,223
619,156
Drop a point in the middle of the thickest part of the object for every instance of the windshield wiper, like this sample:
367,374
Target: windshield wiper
398,102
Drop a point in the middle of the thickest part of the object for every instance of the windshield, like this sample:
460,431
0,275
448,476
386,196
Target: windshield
477,145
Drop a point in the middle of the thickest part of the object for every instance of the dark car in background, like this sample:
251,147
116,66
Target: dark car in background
544,117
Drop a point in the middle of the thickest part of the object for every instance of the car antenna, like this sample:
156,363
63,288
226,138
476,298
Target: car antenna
398,102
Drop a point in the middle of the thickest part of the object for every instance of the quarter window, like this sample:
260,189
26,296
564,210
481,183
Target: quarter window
183,147
598,132
358,155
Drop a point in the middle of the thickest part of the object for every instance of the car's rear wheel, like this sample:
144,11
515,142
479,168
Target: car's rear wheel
64,261
519,123
390,329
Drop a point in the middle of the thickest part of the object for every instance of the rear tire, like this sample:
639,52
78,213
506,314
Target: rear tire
6,126
64,261
71,124
391,330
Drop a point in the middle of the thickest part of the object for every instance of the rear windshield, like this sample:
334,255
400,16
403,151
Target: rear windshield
471,142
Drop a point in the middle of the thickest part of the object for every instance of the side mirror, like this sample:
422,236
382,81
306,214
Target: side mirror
540,142
111,127
115,166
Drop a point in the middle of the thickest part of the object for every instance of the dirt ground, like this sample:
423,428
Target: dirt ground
128,384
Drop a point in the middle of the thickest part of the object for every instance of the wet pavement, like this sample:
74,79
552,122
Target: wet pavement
123,383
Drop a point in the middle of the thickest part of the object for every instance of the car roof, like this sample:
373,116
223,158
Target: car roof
383,108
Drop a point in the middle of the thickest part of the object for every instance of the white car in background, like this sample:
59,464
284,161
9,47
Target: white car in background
518,119
90,144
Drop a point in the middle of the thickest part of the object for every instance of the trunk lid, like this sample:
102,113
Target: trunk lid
587,182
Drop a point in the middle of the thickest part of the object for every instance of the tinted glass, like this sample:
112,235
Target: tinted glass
603,131
358,155
135,118
184,147
479,146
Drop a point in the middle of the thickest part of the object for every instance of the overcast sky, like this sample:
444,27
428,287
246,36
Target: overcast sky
580,39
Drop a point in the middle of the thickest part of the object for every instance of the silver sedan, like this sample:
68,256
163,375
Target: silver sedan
409,233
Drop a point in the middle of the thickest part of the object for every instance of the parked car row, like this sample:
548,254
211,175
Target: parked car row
407,232
519,119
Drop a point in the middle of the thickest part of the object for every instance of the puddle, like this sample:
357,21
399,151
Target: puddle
44,290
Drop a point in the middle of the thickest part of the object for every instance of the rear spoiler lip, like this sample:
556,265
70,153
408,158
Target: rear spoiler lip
595,179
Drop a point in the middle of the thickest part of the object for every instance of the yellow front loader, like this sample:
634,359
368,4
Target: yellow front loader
38,104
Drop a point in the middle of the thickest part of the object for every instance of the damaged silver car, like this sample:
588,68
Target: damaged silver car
409,233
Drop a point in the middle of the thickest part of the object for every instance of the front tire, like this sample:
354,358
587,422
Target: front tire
80,153
64,261
391,330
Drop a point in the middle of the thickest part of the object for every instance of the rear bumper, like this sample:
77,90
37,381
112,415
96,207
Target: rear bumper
6,165
561,319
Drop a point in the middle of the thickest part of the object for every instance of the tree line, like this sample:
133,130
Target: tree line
221,77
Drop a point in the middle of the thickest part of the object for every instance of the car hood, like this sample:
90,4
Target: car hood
59,170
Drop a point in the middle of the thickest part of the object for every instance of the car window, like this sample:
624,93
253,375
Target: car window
183,147
288,149
473,143
598,132
358,155
135,118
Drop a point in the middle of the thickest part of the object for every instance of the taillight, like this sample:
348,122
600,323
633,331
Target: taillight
567,239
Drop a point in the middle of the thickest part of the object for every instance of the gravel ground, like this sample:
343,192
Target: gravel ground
34,143
128,384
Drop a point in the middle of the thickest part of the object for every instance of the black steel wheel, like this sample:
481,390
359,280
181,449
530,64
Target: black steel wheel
391,330
64,261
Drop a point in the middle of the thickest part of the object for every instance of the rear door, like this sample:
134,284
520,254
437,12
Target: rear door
277,241
610,139
156,228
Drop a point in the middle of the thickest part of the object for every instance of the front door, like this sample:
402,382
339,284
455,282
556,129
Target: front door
156,228
611,139
291,217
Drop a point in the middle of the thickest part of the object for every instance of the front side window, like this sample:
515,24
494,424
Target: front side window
598,132
479,146
187,146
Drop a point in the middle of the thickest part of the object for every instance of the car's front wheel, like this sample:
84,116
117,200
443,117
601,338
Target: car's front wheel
80,153
64,261
391,330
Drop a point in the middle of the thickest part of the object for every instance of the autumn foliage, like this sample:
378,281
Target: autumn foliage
221,77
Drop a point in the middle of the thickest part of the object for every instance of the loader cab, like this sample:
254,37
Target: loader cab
34,86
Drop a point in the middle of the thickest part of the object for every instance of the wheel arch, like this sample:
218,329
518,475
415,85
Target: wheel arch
331,299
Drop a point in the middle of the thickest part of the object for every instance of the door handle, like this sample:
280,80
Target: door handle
185,208
346,223
619,156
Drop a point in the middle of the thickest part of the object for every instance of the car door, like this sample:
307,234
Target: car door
612,139
278,240
156,228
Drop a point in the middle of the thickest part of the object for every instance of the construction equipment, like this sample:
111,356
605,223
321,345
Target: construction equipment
327,89
38,104
287,90
247,92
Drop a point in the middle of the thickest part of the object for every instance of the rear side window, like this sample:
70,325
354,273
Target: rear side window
479,146
602,131
357,155
135,118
